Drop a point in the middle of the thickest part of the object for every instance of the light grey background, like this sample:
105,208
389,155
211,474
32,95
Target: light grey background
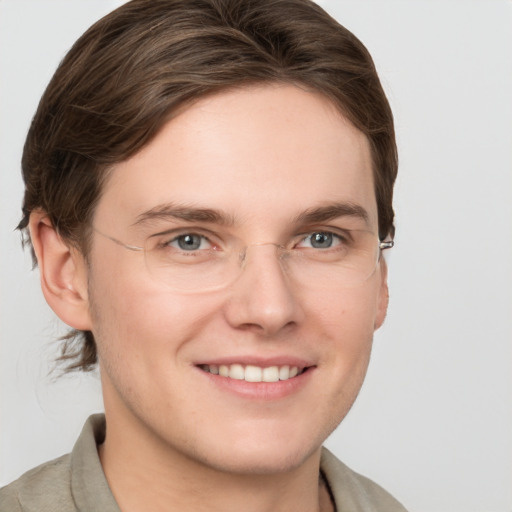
433,423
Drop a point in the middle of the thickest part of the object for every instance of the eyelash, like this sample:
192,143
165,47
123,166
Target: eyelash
342,237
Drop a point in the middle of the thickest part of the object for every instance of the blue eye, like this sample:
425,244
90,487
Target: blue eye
190,242
321,240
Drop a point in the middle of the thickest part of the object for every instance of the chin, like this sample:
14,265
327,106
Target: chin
262,461
259,451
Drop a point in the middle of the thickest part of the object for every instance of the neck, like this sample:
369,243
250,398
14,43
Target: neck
150,475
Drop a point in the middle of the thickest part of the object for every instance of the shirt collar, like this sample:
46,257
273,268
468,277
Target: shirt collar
89,486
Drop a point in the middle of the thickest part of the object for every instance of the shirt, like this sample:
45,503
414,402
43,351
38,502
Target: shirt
76,482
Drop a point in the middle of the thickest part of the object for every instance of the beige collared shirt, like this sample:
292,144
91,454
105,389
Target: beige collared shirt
76,483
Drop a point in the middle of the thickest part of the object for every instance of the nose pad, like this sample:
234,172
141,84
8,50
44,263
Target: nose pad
278,250
278,255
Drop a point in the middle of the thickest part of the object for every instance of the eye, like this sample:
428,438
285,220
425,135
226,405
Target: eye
320,240
190,242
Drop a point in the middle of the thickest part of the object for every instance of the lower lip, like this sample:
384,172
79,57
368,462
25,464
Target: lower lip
264,391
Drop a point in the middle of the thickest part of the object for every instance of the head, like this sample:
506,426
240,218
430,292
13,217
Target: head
136,68
264,112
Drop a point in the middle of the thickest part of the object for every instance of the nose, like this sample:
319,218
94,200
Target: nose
262,299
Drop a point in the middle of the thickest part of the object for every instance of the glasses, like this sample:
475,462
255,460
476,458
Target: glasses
195,261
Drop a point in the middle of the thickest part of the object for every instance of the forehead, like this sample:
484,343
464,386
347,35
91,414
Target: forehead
262,152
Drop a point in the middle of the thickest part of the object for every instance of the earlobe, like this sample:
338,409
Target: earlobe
63,273
383,298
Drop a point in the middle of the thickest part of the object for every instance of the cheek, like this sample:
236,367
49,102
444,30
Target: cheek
345,322
142,333
349,313
138,321
343,325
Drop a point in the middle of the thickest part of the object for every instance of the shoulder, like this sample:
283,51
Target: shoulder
67,484
354,492
44,488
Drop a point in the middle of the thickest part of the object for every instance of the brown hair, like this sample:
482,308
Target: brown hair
127,75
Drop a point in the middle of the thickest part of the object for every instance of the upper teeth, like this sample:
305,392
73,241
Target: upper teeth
252,373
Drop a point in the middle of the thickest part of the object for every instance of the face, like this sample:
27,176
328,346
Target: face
260,158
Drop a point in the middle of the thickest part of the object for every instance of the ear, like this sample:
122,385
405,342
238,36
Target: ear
383,297
63,273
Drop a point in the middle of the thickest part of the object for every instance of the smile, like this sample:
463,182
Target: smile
251,373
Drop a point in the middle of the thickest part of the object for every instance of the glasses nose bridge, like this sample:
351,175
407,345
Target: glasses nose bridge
243,253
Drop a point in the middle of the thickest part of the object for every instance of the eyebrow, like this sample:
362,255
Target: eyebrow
194,214
182,212
332,211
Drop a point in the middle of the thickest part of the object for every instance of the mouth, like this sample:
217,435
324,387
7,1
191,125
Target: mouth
252,373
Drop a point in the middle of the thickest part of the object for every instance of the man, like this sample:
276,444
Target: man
208,195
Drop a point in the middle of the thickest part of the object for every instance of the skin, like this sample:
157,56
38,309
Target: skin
262,156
